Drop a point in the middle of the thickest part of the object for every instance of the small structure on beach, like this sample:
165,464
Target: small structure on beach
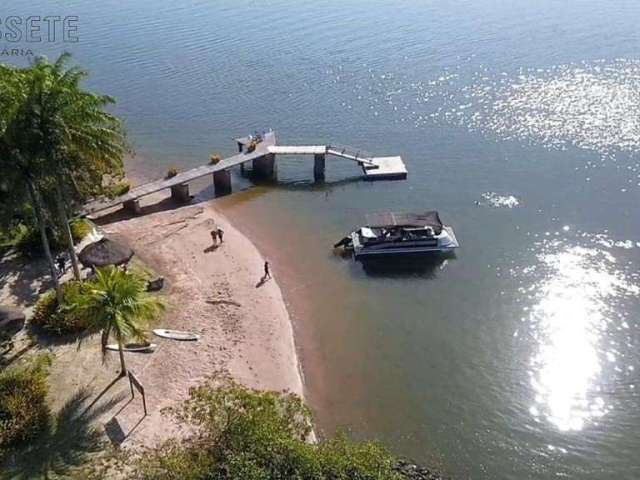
105,251
261,151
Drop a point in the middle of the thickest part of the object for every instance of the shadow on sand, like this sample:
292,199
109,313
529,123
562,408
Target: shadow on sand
66,444
26,279
163,205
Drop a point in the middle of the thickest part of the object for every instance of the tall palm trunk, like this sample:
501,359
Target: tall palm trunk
37,206
67,231
123,367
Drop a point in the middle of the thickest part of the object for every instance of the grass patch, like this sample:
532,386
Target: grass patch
80,228
23,409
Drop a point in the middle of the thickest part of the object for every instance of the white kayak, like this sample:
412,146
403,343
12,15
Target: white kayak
133,347
176,334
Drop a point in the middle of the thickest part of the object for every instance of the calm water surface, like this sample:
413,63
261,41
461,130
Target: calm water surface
517,120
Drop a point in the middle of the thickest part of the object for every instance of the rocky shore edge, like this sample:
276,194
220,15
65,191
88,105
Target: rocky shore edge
411,470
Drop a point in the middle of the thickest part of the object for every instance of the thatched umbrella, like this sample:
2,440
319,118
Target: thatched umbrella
105,252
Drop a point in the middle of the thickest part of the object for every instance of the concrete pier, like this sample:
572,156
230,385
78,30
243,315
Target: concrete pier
263,158
180,193
318,167
265,167
222,182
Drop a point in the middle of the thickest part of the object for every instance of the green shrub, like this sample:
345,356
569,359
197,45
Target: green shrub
247,434
60,319
80,228
118,189
29,244
23,408
172,172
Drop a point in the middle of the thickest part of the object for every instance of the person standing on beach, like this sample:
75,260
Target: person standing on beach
267,273
220,233
214,237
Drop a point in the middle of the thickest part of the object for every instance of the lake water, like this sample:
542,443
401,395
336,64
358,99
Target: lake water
517,120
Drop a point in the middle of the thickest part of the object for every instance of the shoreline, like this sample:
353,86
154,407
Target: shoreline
245,327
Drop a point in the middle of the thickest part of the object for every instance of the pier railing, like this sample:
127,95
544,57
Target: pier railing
349,152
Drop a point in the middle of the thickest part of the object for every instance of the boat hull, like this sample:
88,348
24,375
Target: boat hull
442,246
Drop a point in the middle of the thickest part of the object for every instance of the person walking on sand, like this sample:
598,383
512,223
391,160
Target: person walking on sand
214,237
220,233
267,273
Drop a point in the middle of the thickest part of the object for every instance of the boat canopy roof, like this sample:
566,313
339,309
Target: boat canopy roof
425,219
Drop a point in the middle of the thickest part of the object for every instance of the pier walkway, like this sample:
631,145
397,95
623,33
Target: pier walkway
263,165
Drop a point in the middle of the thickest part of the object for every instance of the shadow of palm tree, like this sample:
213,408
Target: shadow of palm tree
46,338
67,443
26,279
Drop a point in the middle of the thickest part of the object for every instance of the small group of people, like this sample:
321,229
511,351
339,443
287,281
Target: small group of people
217,234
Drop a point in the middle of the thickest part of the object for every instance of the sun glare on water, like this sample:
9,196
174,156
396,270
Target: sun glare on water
569,320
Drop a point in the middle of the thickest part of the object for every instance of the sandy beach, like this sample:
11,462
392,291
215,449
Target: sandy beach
244,325
216,292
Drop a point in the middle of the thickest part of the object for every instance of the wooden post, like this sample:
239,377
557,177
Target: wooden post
180,193
240,146
134,382
222,182
318,167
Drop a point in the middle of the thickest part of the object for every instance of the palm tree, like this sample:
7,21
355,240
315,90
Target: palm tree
20,168
77,139
117,305
57,144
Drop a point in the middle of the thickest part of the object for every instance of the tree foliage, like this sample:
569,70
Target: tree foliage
79,141
246,434
58,144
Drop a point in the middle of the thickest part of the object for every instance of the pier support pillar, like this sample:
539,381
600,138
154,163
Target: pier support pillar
265,167
242,170
222,182
318,167
132,206
180,193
